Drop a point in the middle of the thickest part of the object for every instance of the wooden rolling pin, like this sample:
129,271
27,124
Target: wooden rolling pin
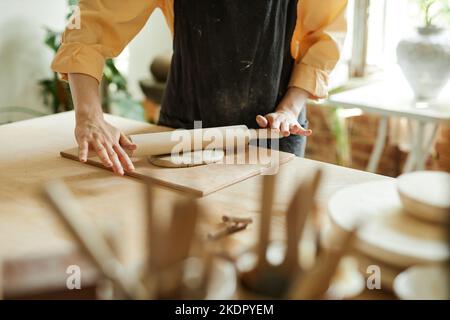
154,144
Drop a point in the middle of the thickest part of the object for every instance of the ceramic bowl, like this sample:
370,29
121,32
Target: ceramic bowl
426,195
423,283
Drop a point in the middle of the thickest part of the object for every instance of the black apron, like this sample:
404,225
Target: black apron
231,61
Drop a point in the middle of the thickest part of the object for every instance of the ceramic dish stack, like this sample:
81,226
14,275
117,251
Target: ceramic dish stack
404,224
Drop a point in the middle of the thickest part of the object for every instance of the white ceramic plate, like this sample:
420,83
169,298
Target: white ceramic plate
423,283
387,232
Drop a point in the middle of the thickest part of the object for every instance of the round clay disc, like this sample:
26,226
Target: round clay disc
387,232
187,159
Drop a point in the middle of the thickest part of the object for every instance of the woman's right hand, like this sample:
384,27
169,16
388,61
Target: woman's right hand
92,132
107,141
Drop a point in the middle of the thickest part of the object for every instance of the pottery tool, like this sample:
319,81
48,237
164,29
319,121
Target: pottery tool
230,219
391,235
300,208
254,279
227,230
180,140
426,195
275,280
314,283
170,260
231,226
153,233
178,239
90,239
268,195
107,289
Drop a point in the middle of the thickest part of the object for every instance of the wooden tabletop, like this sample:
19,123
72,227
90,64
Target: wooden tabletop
385,99
34,245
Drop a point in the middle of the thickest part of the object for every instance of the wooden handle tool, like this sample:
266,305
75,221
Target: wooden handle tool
315,283
299,209
89,237
178,243
159,143
266,215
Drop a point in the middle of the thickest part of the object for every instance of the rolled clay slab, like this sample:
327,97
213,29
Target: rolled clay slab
187,159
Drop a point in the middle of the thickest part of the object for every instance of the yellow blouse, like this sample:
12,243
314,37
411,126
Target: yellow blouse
108,26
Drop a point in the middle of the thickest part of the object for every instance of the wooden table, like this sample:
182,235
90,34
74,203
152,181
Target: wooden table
389,99
35,248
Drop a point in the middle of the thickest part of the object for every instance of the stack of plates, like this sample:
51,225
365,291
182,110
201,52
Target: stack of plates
402,222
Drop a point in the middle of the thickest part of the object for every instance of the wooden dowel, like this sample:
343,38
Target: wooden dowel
298,212
314,283
178,243
88,236
266,212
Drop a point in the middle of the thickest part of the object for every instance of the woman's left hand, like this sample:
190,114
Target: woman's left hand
285,116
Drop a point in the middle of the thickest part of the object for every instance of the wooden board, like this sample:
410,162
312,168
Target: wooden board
200,180
388,233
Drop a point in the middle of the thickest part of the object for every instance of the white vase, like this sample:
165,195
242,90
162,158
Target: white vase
425,61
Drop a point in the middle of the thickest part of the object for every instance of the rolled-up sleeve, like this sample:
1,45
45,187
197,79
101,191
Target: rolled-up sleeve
106,27
314,47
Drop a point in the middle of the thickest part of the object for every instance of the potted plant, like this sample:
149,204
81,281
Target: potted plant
425,56
116,98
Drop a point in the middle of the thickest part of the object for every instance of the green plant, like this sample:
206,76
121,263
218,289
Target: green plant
338,127
433,9
114,87
339,130
56,93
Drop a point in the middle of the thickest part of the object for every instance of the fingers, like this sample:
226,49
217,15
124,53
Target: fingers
271,120
284,128
113,156
274,121
126,143
297,129
282,123
123,157
83,149
117,166
261,121
101,153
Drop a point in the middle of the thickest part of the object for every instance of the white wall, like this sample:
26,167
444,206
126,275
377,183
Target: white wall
155,38
24,59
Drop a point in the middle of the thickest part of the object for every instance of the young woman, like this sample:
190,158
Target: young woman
252,62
